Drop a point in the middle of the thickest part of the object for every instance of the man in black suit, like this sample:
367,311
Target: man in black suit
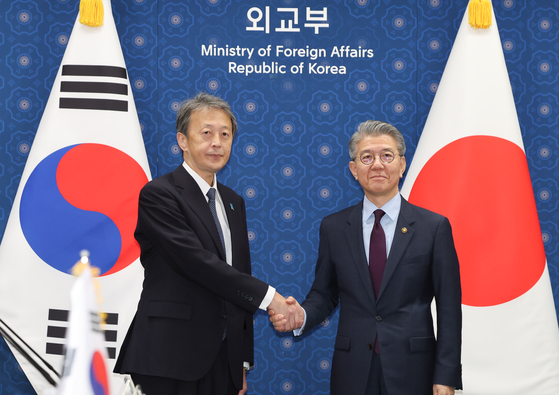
193,330
384,260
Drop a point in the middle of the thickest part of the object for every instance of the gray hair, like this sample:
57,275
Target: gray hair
373,128
202,101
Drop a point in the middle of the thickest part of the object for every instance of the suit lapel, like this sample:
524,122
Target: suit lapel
193,196
354,233
403,235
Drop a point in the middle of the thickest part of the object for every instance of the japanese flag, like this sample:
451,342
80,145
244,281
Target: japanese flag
470,165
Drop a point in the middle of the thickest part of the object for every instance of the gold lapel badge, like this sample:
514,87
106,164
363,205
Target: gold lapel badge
404,230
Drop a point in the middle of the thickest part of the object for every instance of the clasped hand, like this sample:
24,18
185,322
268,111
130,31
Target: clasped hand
286,314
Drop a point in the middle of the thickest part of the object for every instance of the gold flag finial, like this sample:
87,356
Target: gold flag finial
91,12
479,14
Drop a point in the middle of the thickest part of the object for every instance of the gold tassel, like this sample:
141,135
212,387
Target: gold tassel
479,14
91,12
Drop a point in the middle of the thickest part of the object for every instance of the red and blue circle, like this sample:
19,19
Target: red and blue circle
83,196
98,375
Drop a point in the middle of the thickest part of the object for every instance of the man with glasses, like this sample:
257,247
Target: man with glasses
384,260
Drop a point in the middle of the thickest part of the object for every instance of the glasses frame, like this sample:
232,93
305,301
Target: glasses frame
379,156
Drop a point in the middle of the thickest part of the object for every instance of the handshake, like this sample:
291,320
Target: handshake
286,314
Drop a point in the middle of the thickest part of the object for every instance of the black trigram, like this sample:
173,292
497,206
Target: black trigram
101,86
58,324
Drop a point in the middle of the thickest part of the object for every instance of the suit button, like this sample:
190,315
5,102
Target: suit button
378,318
224,316
369,346
250,298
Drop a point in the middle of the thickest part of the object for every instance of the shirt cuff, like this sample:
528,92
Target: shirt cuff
268,298
299,332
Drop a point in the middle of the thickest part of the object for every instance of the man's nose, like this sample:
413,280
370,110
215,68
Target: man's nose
377,163
216,141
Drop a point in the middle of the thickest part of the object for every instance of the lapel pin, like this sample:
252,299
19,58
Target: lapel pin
231,204
404,230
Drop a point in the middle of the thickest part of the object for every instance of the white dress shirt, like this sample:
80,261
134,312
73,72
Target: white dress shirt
226,230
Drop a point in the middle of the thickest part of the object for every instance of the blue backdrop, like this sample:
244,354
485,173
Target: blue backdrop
289,158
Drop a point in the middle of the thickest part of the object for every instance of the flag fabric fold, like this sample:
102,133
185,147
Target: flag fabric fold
470,165
79,190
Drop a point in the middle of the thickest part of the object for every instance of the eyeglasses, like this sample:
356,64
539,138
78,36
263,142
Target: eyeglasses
386,156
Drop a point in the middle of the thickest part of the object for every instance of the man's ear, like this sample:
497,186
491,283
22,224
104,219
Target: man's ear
353,169
181,140
402,166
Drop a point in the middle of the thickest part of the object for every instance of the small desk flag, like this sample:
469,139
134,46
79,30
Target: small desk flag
85,369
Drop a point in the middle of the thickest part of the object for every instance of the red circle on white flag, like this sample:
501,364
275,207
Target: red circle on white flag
482,184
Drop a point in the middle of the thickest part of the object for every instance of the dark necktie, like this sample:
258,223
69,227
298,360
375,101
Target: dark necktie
211,202
377,252
377,258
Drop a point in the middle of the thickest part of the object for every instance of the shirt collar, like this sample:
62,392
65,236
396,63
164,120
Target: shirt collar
204,186
391,208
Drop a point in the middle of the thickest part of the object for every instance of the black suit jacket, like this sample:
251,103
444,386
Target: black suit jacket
422,265
190,294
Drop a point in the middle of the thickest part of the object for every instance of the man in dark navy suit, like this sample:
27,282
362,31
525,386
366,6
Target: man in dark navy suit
384,260
193,330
